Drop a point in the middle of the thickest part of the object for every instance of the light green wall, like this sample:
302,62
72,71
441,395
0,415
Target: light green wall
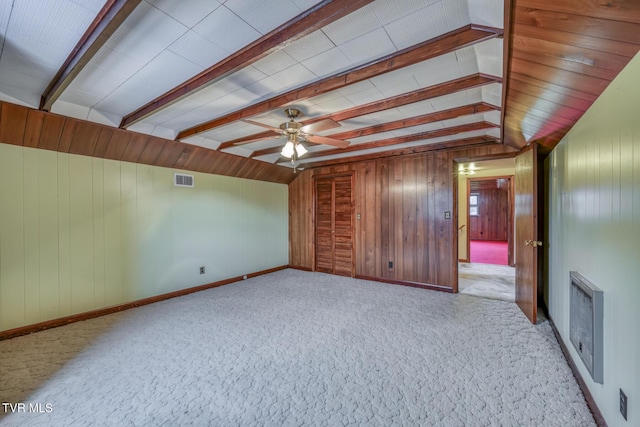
594,228
80,233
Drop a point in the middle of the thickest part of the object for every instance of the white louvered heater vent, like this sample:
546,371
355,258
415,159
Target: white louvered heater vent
182,180
585,323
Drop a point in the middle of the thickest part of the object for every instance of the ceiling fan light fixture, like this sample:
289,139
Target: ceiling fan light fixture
287,150
300,150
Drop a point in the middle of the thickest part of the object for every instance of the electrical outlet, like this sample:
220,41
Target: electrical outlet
390,264
623,404
202,270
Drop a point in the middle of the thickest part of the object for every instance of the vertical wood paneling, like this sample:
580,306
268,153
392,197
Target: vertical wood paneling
35,120
430,217
81,233
64,258
128,194
422,205
382,223
51,131
301,224
492,219
113,248
48,234
395,217
409,208
12,298
13,124
369,248
31,237
98,233
145,227
402,202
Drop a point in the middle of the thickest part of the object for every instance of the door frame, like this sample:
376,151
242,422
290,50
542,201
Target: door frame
353,216
454,191
510,215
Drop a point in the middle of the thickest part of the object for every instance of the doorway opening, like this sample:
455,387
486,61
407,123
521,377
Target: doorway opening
485,212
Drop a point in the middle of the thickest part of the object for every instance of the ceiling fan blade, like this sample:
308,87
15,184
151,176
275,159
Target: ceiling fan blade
262,138
325,124
328,141
251,122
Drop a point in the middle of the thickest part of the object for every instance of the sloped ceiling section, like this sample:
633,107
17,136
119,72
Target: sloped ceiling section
389,77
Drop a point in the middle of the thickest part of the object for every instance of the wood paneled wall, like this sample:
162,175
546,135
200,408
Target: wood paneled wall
493,213
39,129
402,203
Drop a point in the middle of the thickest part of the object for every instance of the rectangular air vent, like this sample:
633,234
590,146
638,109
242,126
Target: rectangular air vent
585,324
182,180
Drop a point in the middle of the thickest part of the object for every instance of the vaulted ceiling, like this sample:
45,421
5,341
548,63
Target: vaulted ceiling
390,77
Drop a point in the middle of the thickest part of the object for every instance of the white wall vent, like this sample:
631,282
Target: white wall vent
182,180
585,324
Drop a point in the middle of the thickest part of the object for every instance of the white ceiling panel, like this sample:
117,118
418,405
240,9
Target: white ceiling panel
425,24
396,83
187,12
36,39
368,47
451,101
294,76
309,46
269,158
104,118
457,12
238,151
94,80
145,33
203,142
69,109
487,12
463,120
492,117
329,62
492,94
197,49
266,86
274,63
352,26
226,29
489,55
264,15
388,11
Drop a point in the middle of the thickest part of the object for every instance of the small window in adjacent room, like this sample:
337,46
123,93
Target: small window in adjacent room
473,204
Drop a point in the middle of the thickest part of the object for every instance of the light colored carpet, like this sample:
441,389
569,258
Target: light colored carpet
487,280
297,348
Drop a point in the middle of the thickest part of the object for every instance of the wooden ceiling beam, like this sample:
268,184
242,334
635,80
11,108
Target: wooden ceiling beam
441,89
479,107
437,133
108,20
449,145
305,23
446,43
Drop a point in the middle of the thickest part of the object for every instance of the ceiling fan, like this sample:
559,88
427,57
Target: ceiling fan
296,133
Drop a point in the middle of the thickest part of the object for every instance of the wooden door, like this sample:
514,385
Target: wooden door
527,232
334,225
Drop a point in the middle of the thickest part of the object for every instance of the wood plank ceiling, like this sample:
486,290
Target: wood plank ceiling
199,81
562,55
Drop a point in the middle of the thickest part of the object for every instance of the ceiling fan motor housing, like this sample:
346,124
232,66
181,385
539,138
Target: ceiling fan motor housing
291,127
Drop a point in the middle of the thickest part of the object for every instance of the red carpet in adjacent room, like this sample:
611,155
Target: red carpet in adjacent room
489,252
